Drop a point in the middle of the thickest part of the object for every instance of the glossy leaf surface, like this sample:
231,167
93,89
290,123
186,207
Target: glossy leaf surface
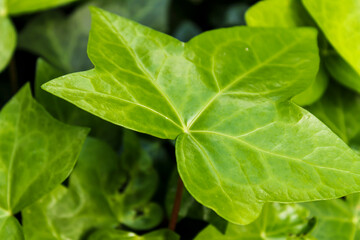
340,22
288,13
37,152
101,193
7,41
276,222
62,40
112,234
264,146
336,219
15,7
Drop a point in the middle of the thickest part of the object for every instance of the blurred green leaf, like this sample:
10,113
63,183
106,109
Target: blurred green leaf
336,219
288,13
102,193
10,228
340,22
228,15
339,109
277,221
186,30
7,41
62,40
67,112
112,234
37,152
16,7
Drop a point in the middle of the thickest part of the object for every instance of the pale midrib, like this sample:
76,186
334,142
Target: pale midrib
271,153
116,98
12,159
254,69
141,66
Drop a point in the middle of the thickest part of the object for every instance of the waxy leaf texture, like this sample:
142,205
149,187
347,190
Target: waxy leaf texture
224,96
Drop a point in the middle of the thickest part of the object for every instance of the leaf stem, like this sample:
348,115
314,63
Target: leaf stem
177,203
13,76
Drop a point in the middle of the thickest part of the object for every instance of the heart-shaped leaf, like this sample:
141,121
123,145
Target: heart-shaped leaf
224,96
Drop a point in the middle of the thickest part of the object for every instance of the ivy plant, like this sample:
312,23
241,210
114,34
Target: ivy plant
208,94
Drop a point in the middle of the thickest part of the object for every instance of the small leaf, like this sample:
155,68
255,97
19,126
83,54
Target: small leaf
336,219
277,221
288,13
112,234
264,147
7,41
340,22
37,152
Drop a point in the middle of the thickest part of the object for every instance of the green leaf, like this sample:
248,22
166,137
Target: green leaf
288,14
10,228
101,194
62,39
277,221
15,7
7,41
264,147
112,234
37,152
336,219
339,20
67,112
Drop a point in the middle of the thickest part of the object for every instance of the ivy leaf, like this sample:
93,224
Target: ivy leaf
37,152
10,228
67,112
332,16
288,13
44,35
152,83
336,219
101,194
112,234
7,44
277,221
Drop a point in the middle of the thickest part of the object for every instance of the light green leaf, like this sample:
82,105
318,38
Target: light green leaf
67,112
7,41
224,97
288,13
15,7
101,194
340,22
10,228
336,219
277,221
62,39
112,234
37,152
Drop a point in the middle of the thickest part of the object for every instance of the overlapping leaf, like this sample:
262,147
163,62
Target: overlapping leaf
10,228
224,97
62,40
101,194
336,219
288,13
276,222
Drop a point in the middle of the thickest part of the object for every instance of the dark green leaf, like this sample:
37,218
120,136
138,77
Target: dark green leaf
112,234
